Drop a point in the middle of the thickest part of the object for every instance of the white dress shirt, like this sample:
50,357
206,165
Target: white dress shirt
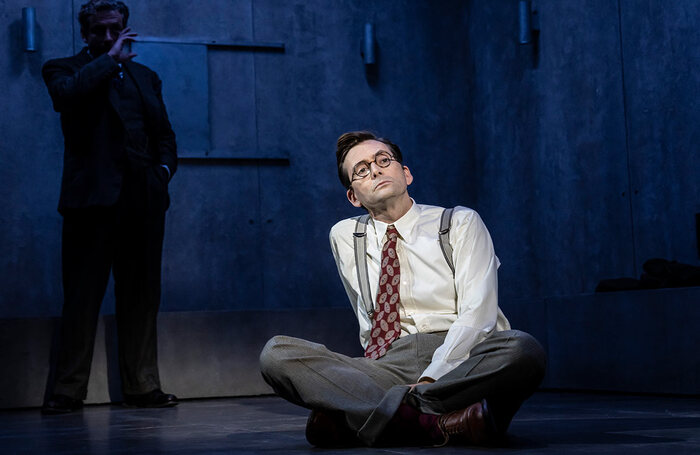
432,298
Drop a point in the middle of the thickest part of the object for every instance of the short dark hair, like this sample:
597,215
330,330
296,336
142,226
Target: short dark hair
351,139
91,8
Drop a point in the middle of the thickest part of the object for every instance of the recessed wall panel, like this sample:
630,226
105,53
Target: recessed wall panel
661,47
183,71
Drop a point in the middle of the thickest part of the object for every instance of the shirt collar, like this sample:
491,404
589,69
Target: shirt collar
404,225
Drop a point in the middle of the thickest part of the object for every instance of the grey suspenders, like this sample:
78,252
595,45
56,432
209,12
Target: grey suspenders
444,234
360,241
361,263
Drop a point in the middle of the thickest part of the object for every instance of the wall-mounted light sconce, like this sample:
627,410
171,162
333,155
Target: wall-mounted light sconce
29,29
528,23
367,48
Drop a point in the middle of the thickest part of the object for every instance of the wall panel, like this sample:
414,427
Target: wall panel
535,141
318,89
211,260
549,138
246,230
31,152
661,49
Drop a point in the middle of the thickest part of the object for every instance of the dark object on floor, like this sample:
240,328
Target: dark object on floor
618,284
154,399
61,404
658,273
328,429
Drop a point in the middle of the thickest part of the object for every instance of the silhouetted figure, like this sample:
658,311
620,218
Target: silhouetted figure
441,363
119,155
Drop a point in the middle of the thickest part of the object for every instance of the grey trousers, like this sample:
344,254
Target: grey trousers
506,368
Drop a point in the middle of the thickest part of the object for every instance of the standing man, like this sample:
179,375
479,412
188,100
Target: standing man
119,155
441,364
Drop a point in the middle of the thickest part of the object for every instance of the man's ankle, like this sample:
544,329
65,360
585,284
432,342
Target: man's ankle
409,426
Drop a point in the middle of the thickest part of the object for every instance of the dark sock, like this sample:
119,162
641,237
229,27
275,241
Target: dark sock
412,427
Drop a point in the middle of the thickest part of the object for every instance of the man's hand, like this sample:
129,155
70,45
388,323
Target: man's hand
119,51
424,381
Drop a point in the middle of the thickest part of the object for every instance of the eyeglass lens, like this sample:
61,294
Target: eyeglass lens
381,159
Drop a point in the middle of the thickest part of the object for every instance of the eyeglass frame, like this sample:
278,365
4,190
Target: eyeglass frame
369,165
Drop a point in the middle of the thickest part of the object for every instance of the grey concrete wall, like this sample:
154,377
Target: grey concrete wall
585,141
634,341
637,341
580,152
31,153
661,52
581,156
201,354
245,231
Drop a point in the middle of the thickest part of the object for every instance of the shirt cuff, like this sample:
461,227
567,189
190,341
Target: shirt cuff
437,369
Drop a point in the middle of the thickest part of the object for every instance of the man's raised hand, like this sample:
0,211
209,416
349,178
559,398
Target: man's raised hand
119,51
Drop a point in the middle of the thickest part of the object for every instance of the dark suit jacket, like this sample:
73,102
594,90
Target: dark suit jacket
95,136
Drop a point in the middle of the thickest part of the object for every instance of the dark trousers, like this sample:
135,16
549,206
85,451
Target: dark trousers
127,240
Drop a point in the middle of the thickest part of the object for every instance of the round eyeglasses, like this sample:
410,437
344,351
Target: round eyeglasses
363,168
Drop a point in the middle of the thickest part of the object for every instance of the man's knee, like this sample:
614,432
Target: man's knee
525,354
274,353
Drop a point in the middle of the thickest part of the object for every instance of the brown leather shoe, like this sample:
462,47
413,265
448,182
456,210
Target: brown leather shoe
472,425
328,429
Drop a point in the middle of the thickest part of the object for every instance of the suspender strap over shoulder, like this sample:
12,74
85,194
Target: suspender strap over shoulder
360,240
444,235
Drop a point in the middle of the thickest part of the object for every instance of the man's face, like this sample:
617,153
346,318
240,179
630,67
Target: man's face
103,31
382,184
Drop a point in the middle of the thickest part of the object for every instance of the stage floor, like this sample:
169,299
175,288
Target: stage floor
549,423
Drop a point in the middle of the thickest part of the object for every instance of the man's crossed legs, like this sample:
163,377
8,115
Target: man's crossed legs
364,401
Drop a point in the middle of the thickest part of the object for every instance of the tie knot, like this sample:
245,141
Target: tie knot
391,232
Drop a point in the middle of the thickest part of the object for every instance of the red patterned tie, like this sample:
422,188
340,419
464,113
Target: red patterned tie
386,326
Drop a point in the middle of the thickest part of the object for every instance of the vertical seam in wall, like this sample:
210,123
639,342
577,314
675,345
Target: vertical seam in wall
72,21
627,146
255,79
261,238
210,96
471,122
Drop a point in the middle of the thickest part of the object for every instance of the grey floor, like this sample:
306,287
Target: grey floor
549,423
